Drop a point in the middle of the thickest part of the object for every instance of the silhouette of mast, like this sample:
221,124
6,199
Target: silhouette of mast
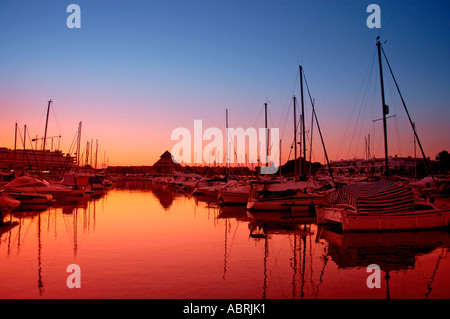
385,110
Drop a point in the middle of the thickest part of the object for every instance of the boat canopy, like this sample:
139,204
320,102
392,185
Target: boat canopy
380,197
26,181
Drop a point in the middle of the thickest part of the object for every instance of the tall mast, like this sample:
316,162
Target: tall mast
385,110
46,124
79,143
15,145
96,153
303,120
86,162
24,143
295,140
226,141
279,164
267,135
415,155
311,139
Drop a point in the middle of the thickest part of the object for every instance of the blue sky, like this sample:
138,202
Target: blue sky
136,70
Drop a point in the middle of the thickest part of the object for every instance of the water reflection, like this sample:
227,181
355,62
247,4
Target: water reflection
18,226
203,250
392,251
163,192
228,214
264,226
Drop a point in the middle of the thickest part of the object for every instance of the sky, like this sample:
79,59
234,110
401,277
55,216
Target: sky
137,70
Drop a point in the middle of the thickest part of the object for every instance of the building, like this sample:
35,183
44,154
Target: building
53,162
407,166
166,164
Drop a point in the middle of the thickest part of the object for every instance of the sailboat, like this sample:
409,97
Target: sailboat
382,205
285,196
288,196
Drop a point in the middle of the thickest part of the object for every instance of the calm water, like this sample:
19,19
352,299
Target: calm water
141,240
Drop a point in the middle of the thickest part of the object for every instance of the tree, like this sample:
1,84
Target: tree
444,161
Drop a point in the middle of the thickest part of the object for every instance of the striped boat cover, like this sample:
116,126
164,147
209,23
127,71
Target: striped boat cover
375,198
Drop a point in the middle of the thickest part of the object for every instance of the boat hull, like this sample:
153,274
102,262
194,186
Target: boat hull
302,203
32,198
352,221
233,198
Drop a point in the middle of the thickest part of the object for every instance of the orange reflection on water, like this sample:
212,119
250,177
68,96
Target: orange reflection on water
147,241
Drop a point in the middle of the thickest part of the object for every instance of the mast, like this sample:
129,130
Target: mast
311,140
24,137
415,155
46,124
226,140
303,169
24,143
15,144
267,134
279,165
96,153
78,144
385,110
295,141
87,154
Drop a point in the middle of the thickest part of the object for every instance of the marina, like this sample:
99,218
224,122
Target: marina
206,150
144,239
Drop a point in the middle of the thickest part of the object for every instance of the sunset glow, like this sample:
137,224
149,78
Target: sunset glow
135,71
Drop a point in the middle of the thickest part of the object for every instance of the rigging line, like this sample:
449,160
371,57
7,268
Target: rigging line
36,128
287,104
26,153
259,115
397,129
320,134
58,125
369,68
270,117
410,121
66,161
312,117
362,108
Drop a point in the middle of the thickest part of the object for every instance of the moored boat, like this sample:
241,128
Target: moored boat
234,194
7,202
298,196
33,185
381,206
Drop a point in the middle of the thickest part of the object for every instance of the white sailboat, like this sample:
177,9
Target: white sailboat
296,195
